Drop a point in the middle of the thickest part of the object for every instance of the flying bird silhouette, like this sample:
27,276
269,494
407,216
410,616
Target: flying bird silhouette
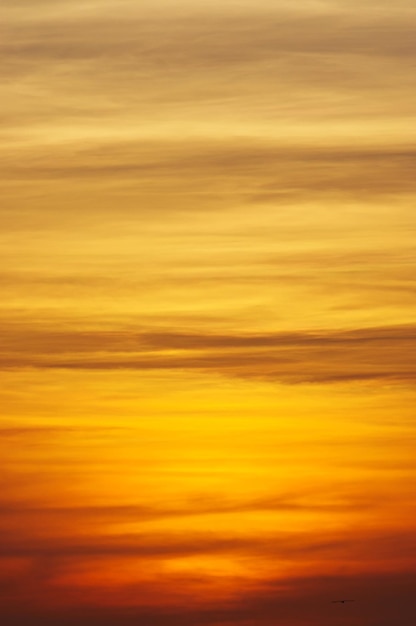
341,601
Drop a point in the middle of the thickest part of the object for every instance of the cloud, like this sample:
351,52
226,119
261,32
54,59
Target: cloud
369,354
379,598
266,169
359,549
193,508
194,36
173,107
138,62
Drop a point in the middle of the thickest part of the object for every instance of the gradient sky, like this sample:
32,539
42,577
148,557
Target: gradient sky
207,246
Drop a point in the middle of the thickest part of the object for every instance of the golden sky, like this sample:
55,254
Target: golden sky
207,246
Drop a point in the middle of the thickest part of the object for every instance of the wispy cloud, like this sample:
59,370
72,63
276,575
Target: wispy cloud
283,63
300,357
302,600
263,169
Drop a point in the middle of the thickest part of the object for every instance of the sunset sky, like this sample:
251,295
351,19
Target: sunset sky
207,246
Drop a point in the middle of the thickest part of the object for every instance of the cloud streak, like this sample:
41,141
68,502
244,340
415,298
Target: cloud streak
379,598
370,354
265,169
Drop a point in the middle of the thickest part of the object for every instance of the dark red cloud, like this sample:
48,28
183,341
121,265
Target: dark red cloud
379,600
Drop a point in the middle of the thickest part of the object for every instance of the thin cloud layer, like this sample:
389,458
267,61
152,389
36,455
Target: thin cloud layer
291,174
361,355
106,66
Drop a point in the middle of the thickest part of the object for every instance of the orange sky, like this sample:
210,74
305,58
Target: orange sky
208,339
